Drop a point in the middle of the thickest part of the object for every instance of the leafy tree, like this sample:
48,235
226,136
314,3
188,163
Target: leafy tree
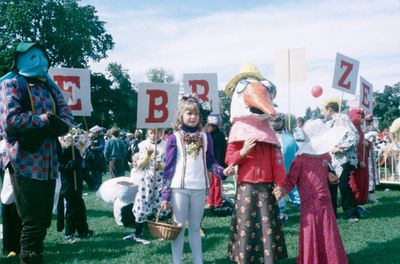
72,34
124,108
387,105
159,75
308,114
225,102
101,102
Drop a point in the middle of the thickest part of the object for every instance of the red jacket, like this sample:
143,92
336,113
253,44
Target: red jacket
263,164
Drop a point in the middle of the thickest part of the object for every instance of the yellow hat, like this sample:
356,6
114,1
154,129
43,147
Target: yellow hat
246,70
331,100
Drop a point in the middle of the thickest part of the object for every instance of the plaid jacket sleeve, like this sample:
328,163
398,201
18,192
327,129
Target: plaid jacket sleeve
13,119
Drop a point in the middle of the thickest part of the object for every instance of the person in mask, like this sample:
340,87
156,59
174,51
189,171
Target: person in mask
33,114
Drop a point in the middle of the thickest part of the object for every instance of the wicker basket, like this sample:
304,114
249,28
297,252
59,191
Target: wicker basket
163,230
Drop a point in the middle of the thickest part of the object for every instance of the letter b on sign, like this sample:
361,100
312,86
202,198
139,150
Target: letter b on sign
157,103
158,111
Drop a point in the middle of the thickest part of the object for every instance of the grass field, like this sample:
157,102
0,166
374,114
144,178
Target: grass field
375,239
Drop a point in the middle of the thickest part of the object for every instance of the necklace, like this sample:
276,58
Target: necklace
194,142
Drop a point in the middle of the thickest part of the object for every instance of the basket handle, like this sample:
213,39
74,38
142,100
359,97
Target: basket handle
158,214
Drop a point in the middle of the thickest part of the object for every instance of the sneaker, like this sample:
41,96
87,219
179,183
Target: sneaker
133,236
353,220
284,217
11,254
87,234
129,237
72,239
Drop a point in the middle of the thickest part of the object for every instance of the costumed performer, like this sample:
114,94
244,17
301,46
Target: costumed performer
256,230
319,238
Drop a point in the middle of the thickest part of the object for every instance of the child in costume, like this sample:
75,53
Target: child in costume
289,149
359,180
319,239
71,171
150,169
256,230
189,157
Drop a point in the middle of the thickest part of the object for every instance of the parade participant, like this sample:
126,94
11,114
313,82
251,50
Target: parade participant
150,168
371,134
33,114
214,199
319,238
394,135
76,226
189,155
289,149
344,160
256,230
10,219
93,159
359,180
298,133
115,152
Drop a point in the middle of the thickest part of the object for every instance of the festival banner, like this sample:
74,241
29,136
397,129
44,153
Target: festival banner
205,85
157,104
75,85
345,74
365,98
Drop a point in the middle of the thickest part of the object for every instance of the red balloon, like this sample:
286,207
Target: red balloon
316,91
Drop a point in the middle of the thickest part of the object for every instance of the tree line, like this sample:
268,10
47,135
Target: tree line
73,35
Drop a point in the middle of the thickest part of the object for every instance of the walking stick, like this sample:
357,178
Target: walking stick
73,158
155,153
363,149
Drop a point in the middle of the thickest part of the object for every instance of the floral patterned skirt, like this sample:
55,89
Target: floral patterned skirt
256,230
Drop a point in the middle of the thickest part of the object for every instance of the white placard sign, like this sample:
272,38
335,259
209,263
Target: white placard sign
75,86
157,104
289,65
366,92
205,85
345,75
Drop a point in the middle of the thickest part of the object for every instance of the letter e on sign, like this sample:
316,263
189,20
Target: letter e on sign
69,84
345,74
366,92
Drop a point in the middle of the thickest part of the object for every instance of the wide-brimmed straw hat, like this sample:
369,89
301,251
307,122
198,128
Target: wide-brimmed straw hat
320,139
246,70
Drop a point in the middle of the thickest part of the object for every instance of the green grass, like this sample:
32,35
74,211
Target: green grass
375,239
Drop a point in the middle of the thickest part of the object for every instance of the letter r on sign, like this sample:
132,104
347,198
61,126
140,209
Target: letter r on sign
158,100
203,83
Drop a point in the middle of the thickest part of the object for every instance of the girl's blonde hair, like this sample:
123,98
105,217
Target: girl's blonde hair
160,131
187,104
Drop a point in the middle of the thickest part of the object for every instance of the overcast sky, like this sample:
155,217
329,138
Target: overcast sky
188,36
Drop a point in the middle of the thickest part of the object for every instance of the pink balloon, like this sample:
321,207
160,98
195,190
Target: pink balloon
316,91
